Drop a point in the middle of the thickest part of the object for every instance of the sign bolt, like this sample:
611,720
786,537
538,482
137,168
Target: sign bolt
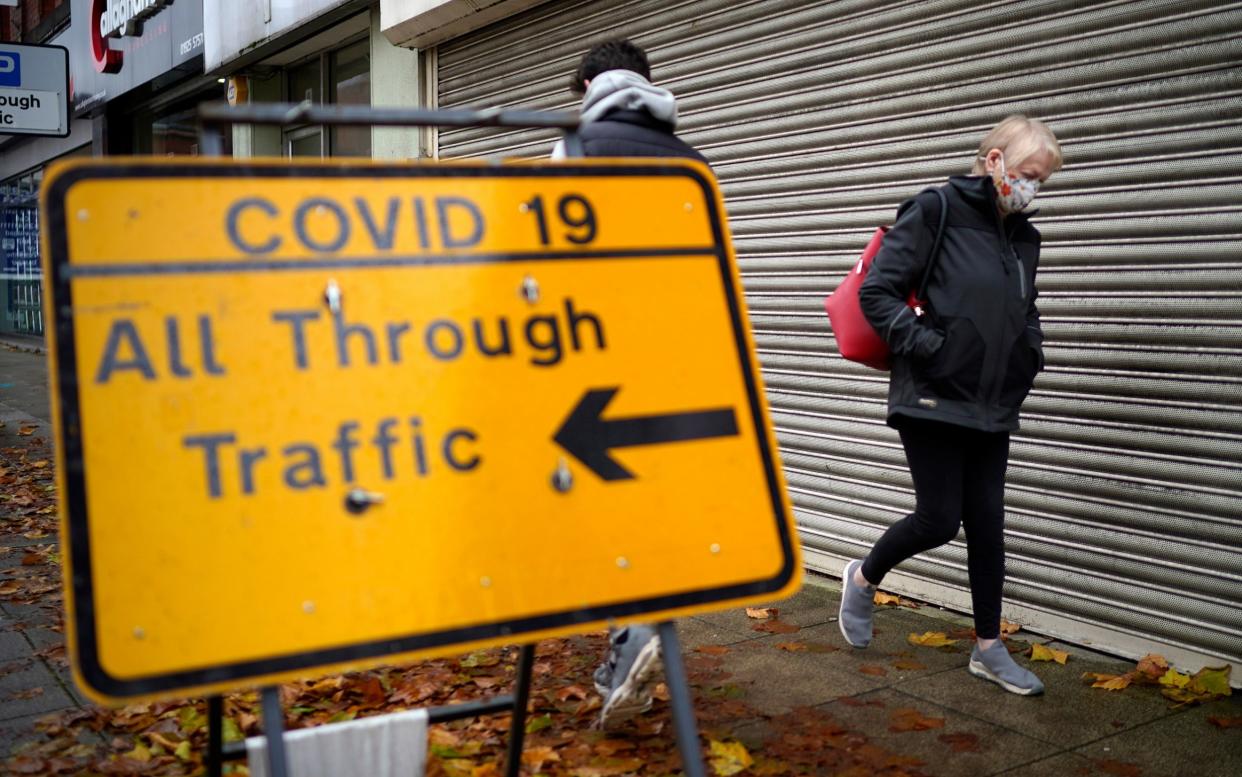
623,562
332,294
485,581
530,289
308,607
83,214
139,633
715,547
562,479
358,500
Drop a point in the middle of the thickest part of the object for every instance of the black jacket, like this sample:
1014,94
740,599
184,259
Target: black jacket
634,133
971,359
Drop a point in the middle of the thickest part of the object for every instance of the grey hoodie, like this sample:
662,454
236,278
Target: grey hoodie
623,90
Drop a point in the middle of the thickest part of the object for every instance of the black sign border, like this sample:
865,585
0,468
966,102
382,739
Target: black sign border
70,433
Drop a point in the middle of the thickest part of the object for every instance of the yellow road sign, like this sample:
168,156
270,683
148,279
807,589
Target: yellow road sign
323,414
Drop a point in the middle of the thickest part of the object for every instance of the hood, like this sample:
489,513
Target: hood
625,90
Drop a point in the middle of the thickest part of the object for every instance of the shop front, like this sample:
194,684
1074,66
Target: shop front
1124,506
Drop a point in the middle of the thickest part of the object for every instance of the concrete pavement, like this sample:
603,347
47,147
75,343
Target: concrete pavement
1071,730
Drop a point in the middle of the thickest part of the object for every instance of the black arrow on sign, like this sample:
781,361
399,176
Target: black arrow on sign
588,437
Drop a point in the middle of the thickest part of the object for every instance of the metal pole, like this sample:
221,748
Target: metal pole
521,695
215,736
274,728
679,699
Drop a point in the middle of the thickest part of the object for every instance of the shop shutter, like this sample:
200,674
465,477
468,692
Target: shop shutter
1124,505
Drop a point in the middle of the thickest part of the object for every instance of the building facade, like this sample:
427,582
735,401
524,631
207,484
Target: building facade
1124,508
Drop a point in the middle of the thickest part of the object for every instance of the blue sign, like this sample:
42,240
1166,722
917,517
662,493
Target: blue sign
10,68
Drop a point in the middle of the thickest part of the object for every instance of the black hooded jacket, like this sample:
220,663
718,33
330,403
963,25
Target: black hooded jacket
634,133
971,359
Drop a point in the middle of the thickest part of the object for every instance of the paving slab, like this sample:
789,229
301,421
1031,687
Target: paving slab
31,690
812,605
777,681
1069,714
699,632
1060,765
15,731
1183,744
964,746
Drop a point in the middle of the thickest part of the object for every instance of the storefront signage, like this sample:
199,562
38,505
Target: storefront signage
118,45
338,412
34,90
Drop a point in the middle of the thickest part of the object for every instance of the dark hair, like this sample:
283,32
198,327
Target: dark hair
616,54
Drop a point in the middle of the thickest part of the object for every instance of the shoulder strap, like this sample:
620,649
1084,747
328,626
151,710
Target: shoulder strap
935,252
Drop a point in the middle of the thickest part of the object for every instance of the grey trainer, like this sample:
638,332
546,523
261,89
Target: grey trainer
628,677
857,605
997,665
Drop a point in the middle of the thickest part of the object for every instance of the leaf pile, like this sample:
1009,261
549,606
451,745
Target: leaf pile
1206,685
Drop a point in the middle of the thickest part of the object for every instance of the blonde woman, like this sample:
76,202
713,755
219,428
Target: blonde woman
960,373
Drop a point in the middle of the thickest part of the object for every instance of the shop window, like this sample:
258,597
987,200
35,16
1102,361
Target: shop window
344,77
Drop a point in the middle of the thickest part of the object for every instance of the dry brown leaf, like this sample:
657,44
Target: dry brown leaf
1118,768
1045,653
776,627
1109,682
908,665
873,669
712,650
965,742
931,639
1152,666
762,613
791,647
536,757
1007,628
908,719
1220,722
26,431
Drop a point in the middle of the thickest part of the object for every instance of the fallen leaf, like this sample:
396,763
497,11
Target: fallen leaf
931,639
908,665
139,753
964,742
908,719
872,669
538,724
1152,666
776,627
8,587
26,431
712,650
791,647
1007,628
1213,680
729,758
536,757
882,600
29,693
485,770
762,613
1118,768
1220,722
1175,679
1109,682
1045,653
820,647
183,751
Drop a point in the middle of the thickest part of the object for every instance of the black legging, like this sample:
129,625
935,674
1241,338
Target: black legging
959,480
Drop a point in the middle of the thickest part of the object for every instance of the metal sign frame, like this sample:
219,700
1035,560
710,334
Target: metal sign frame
62,102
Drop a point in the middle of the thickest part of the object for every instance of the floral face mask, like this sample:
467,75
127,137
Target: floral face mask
1013,193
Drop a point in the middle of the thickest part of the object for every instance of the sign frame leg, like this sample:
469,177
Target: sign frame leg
215,736
274,730
680,701
521,695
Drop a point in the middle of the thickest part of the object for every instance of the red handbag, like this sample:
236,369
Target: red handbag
857,340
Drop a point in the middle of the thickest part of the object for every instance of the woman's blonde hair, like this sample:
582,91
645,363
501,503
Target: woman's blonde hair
1020,138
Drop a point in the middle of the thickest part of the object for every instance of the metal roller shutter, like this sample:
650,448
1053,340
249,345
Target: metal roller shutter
1124,504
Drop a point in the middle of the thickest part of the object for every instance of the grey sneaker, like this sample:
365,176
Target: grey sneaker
857,605
627,678
997,665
